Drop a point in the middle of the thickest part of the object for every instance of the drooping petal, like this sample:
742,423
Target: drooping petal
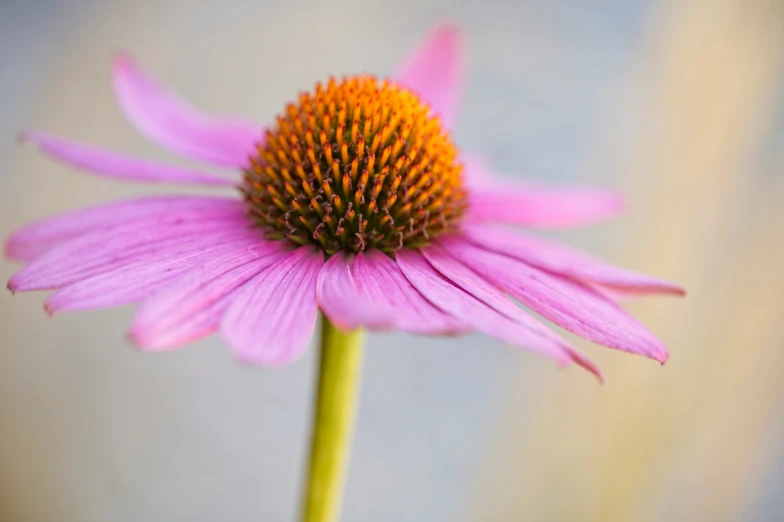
132,282
192,306
434,72
95,253
564,260
380,280
620,295
476,285
36,238
457,290
175,124
113,165
570,304
271,320
538,206
341,300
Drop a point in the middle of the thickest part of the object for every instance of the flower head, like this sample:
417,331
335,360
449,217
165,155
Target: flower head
358,164
354,201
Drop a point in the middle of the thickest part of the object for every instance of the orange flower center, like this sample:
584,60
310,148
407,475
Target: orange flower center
356,164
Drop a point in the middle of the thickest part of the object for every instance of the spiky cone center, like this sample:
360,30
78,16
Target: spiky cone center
358,163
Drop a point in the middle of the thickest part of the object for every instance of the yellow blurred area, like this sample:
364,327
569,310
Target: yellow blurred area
699,438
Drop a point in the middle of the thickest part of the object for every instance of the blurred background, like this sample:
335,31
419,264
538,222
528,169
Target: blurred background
680,104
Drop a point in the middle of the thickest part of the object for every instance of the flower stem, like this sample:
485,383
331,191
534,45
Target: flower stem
336,397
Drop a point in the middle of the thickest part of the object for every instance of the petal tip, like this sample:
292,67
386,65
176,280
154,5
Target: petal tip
448,30
32,137
150,343
597,372
56,303
26,136
666,288
619,200
138,341
123,70
50,309
14,286
614,204
133,335
122,60
588,365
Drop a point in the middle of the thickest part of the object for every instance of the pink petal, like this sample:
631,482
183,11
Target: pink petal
381,282
342,302
93,254
621,296
476,285
476,171
434,72
569,304
128,283
34,239
177,125
538,206
114,165
271,320
192,306
465,295
563,260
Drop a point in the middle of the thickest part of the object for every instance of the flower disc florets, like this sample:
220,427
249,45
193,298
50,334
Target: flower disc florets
357,163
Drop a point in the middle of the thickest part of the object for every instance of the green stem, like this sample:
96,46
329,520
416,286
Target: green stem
336,397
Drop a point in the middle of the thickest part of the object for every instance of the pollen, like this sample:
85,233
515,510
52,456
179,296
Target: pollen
357,163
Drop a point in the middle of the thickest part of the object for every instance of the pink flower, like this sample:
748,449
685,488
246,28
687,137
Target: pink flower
355,203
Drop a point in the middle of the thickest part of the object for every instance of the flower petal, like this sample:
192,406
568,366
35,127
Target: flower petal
477,286
93,254
175,124
434,72
476,171
341,300
118,166
571,305
36,238
193,305
380,280
128,283
563,260
271,320
538,206
457,290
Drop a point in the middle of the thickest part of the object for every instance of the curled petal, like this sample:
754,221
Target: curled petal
434,72
564,260
467,296
118,166
175,124
570,304
271,320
